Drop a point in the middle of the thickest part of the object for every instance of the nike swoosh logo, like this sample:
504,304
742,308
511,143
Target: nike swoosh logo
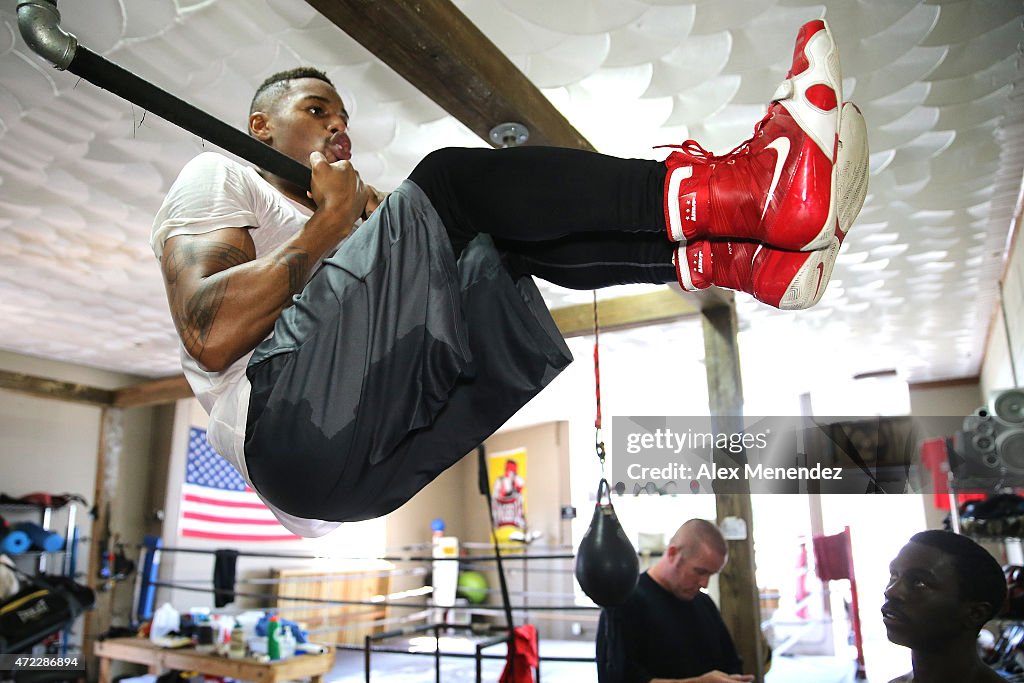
821,271
781,147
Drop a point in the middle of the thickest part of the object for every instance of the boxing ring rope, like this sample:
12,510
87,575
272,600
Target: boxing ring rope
384,600
385,558
148,583
38,21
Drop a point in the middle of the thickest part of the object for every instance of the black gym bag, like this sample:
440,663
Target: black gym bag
44,605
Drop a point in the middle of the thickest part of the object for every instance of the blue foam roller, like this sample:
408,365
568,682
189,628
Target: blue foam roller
41,538
15,542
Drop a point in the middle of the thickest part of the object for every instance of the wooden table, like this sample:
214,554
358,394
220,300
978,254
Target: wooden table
142,651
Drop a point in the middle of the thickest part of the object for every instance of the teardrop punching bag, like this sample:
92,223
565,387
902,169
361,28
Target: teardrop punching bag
606,563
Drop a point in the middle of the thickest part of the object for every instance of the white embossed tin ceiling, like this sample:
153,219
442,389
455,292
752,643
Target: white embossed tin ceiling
82,172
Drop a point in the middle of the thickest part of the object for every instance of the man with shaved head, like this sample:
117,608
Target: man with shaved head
942,589
669,629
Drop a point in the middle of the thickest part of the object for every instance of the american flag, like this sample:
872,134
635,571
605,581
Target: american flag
217,504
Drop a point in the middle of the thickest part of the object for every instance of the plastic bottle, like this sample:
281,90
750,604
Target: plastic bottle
287,642
206,641
165,620
236,648
274,638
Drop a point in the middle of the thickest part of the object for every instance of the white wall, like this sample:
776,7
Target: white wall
954,399
997,371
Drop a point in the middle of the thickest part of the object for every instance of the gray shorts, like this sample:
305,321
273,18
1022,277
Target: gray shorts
393,363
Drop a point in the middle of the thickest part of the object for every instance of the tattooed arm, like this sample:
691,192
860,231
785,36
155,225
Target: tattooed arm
224,300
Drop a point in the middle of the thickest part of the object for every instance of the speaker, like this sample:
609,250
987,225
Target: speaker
973,467
983,443
1008,406
1010,448
979,420
989,450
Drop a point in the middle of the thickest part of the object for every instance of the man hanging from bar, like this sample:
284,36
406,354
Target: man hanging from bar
340,380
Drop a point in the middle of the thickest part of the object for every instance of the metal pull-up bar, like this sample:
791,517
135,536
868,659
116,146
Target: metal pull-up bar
39,23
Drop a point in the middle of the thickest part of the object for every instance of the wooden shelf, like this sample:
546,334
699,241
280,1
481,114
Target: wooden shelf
142,651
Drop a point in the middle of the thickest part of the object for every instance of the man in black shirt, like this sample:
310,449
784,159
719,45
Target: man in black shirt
668,628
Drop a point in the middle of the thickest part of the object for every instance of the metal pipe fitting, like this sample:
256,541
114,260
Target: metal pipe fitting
39,23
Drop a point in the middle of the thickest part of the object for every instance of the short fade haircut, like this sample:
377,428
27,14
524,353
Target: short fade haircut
979,577
696,533
277,84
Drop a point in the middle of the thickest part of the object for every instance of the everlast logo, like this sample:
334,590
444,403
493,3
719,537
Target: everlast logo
34,612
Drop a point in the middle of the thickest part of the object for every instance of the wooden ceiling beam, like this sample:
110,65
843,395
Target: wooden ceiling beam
624,312
435,47
154,392
41,387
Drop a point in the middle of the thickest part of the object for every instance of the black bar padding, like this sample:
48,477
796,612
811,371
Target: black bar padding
109,76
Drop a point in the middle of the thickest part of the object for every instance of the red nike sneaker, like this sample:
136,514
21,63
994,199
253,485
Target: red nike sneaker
779,187
788,280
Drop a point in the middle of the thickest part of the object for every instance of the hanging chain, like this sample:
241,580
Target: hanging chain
598,442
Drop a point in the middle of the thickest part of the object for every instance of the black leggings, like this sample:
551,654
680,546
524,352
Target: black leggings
575,218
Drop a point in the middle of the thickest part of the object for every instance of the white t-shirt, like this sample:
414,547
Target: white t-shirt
213,192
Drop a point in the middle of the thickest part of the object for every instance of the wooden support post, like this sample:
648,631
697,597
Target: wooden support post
91,626
739,597
109,451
